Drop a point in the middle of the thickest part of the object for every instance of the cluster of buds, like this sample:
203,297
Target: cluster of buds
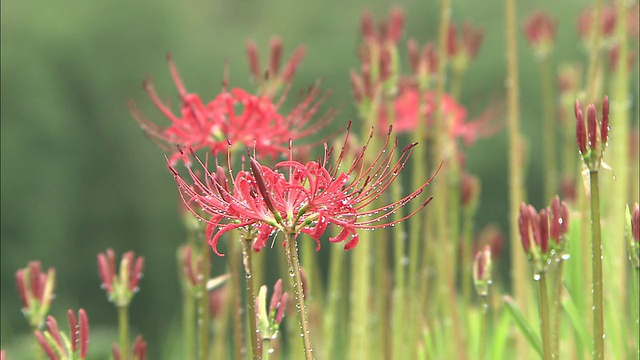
273,80
120,287
543,234
540,31
139,351
269,320
482,271
379,60
632,233
607,26
36,292
592,138
191,270
463,48
424,64
59,346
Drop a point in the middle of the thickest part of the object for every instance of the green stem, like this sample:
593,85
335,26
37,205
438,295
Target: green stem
483,328
636,289
203,302
594,54
123,327
334,298
596,259
251,298
266,349
519,272
549,130
557,304
188,324
545,328
234,270
467,239
38,352
291,251
456,84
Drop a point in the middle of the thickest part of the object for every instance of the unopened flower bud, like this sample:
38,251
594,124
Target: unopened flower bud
482,271
120,287
58,346
540,31
36,292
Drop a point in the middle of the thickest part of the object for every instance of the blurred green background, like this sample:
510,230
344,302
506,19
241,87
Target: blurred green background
79,176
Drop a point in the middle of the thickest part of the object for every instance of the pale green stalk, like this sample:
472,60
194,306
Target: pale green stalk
519,273
557,304
594,54
596,258
123,330
636,288
236,305
467,240
291,250
334,300
250,295
38,352
203,302
188,324
483,327
545,328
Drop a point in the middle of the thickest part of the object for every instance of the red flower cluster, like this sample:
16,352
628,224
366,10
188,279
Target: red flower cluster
296,197
237,116
408,111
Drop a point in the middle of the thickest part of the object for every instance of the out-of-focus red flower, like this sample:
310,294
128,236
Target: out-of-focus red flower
295,197
36,292
273,80
463,48
540,31
608,18
236,116
409,110
614,55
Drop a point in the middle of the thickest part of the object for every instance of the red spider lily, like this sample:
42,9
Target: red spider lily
235,115
58,346
36,291
120,286
408,109
307,199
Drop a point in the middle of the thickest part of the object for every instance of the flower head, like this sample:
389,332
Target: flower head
409,110
607,26
120,287
36,292
57,345
463,48
540,31
236,116
593,136
294,197
542,234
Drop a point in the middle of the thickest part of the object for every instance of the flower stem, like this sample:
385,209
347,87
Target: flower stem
251,298
37,350
123,327
294,272
596,259
636,286
266,349
203,302
545,328
188,324
236,305
557,304
519,271
483,328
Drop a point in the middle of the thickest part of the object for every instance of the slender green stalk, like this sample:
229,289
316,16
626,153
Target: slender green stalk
188,324
636,288
123,330
234,270
203,303
467,239
545,328
596,259
37,350
456,85
266,349
251,298
483,327
291,251
519,272
549,127
557,305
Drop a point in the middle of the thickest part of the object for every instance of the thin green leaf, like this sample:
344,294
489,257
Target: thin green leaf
577,321
529,333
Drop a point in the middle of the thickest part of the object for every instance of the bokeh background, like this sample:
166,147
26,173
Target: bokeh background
79,176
